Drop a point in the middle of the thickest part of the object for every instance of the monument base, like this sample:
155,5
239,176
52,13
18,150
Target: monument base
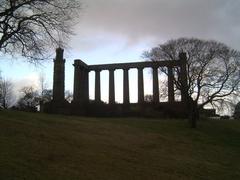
101,109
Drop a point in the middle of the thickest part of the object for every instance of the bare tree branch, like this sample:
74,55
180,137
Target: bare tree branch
31,27
212,68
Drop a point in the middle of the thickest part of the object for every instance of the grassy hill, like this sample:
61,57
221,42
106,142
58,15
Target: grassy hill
40,146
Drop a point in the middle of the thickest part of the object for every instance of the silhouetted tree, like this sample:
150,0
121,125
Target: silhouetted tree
6,93
29,100
237,111
30,27
42,83
148,98
68,96
46,95
212,71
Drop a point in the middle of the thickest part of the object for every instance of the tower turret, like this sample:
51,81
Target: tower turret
59,76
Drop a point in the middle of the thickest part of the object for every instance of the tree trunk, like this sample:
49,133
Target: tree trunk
4,104
193,113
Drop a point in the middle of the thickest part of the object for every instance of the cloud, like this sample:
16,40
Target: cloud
137,21
31,79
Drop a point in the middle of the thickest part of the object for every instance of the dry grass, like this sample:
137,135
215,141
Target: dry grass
40,146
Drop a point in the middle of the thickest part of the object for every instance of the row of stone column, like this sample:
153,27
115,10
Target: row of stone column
81,91
140,86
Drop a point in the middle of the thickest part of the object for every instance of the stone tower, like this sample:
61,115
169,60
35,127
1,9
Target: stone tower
58,77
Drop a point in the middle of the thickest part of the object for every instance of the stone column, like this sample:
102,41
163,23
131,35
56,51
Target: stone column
183,76
125,87
59,76
170,85
111,87
86,82
155,85
77,82
80,89
140,86
97,86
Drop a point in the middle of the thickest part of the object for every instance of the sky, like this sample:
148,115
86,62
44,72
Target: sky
114,31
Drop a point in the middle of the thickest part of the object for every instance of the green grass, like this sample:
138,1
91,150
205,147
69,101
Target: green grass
40,146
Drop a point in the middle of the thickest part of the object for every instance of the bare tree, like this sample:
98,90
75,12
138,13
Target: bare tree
6,93
148,98
212,71
29,100
68,96
30,27
46,95
42,83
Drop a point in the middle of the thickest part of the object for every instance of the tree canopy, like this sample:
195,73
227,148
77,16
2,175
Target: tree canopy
30,27
213,68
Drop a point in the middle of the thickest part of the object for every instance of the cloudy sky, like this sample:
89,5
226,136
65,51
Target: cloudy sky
150,22
112,31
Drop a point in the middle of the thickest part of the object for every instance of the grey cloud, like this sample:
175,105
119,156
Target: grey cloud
158,20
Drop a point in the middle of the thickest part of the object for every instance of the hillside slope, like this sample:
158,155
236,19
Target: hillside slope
40,146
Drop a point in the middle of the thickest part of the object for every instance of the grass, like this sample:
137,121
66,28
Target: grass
56,147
